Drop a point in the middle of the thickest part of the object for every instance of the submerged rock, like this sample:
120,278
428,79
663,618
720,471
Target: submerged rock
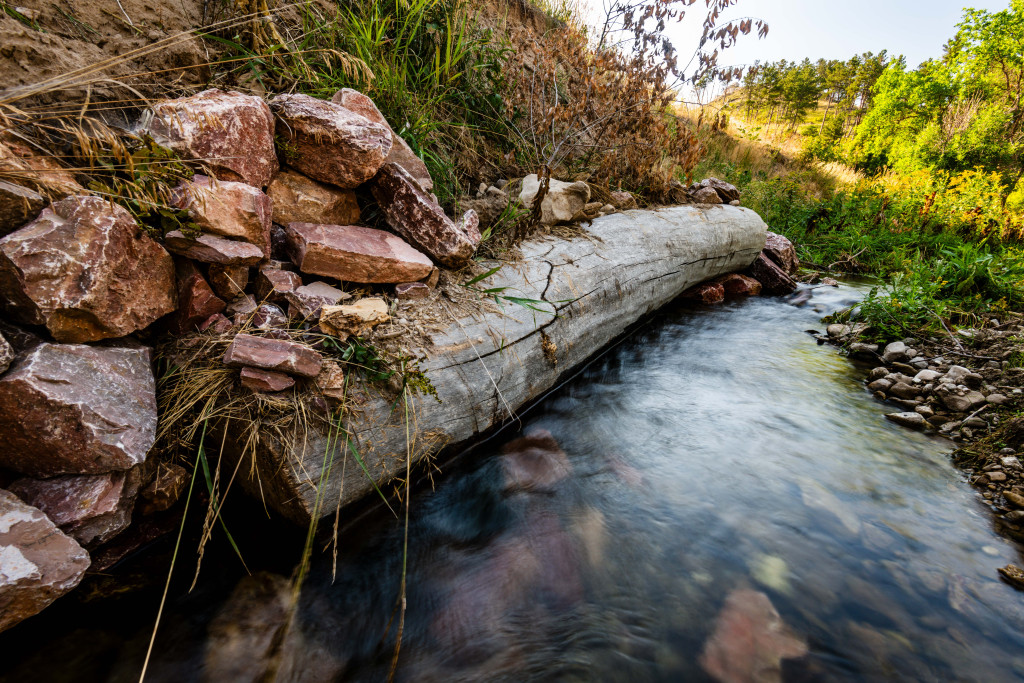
355,254
38,563
72,409
84,270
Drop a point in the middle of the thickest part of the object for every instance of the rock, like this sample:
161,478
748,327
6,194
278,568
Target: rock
737,285
401,153
772,278
1014,499
298,199
72,409
750,641
623,200
355,254
955,375
728,193
894,352
907,392
230,132
24,166
91,508
6,354
328,142
353,320
18,206
263,317
218,323
865,351
960,403
927,376
227,209
196,301
229,282
925,411
781,252
837,330
1013,575
913,420
38,563
705,195
488,209
306,302
591,209
883,385
211,249
997,399
273,354
996,477
706,293
414,215
274,285
878,373
331,381
84,270
166,488
266,381
412,291
1010,462
562,201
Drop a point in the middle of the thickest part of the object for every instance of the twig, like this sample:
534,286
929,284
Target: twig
126,17
948,331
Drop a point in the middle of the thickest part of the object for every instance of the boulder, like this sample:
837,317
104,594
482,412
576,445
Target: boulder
705,293
228,281
414,215
356,320
212,249
401,153
329,143
736,285
38,563
74,409
230,132
196,301
266,381
228,209
412,291
298,199
562,201
273,284
772,278
91,508
355,254
273,354
306,302
726,192
705,195
84,270
18,206
6,354
165,489
782,253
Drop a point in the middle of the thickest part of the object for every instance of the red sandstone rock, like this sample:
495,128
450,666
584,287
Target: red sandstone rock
273,284
534,462
265,317
704,195
401,152
739,285
726,192
305,302
91,508
328,142
228,281
73,409
196,301
782,252
412,290
414,215
18,206
273,354
623,200
39,563
230,132
25,166
354,254
772,278
84,270
331,381
218,323
212,249
298,199
707,293
228,209
166,488
265,380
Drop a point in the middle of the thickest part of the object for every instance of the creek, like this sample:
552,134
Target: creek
712,453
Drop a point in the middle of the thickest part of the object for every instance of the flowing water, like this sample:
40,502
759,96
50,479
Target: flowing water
716,493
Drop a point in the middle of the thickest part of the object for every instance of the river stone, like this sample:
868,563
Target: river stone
329,143
38,563
894,352
355,254
266,381
1014,499
418,218
273,354
562,201
905,391
773,279
84,270
228,209
913,420
883,385
213,249
73,409
298,199
18,206
230,132
927,376
401,153
91,508
782,253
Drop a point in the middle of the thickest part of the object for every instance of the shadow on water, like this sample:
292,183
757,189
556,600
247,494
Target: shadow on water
715,494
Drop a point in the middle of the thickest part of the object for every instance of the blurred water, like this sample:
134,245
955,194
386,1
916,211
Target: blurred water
714,451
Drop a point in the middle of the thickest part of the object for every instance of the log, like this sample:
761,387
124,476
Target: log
486,366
